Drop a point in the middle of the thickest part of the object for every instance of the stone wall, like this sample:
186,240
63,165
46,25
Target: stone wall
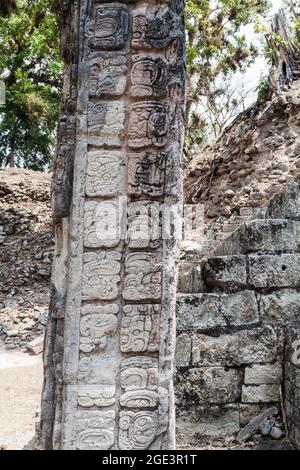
233,317
292,384
255,157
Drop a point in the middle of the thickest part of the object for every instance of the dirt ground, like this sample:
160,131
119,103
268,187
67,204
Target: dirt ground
20,393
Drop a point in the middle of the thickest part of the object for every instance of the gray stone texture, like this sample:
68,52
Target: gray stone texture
110,340
208,385
260,393
258,345
263,374
274,270
282,306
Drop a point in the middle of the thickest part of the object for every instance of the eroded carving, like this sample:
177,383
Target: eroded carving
106,123
94,331
140,328
85,368
109,29
148,124
103,224
149,76
143,277
137,430
104,173
99,395
100,276
95,430
139,379
150,173
156,28
108,76
144,224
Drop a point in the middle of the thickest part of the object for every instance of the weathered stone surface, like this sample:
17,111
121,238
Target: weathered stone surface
110,341
154,28
263,374
274,270
208,422
148,124
292,393
108,75
276,433
198,312
210,385
280,307
140,328
151,173
239,309
249,411
243,347
143,277
292,412
260,235
109,28
260,393
254,424
226,272
95,430
149,76
36,345
106,122
183,350
104,173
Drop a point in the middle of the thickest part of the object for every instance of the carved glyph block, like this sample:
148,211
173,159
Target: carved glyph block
148,124
139,379
106,123
154,29
104,173
108,76
103,224
144,224
96,325
143,277
140,328
150,174
95,430
85,368
149,76
110,27
137,430
100,277
99,395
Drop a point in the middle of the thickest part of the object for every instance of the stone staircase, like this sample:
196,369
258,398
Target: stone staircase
238,323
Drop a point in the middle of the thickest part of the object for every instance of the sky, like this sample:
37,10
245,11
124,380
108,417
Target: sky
260,67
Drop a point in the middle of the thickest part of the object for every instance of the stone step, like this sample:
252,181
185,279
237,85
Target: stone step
254,271
240,272
262,235
202,312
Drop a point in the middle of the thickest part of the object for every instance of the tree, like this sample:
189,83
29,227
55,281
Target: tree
216,48
7,7
31,68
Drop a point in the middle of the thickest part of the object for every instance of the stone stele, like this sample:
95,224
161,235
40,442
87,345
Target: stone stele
108,356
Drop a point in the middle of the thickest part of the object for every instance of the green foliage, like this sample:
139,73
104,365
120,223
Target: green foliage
216,47
297,31
31,68
263,89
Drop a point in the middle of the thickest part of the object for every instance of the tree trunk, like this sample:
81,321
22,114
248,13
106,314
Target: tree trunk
11,159
285,51
116,191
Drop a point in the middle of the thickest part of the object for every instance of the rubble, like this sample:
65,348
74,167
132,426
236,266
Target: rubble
26,251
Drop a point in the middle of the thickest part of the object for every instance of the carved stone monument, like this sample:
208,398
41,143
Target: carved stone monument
108,358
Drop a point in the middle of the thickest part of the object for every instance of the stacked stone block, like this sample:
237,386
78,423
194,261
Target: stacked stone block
236,318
